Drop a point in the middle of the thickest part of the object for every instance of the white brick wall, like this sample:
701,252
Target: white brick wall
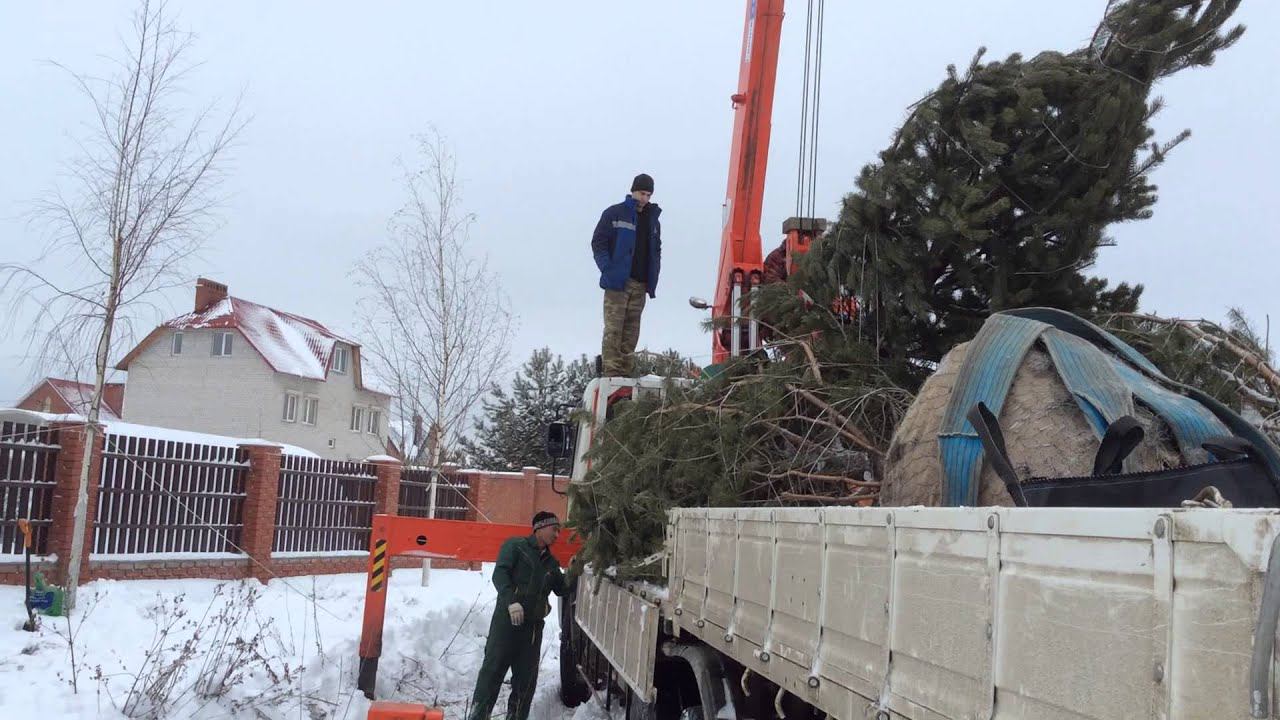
242,396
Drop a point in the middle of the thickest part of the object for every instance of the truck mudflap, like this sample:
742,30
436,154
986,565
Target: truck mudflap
935,613
623,627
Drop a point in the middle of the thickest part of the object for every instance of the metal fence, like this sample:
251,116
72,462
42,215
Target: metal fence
28,457
323,505
415,495
164,496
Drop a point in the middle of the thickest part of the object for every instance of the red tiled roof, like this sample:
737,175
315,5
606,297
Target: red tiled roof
78,396
291,344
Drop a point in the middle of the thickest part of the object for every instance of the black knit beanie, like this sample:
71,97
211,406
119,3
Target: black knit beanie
642,182
543,519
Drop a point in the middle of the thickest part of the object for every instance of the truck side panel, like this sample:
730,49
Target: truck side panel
973,613
623,627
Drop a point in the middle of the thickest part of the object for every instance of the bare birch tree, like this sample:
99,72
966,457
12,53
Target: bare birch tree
434,320
136,204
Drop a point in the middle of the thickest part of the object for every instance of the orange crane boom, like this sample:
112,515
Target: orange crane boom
741,258
741,261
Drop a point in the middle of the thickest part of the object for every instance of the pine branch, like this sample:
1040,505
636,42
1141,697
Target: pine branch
848,500
819,476
1192,328
845,427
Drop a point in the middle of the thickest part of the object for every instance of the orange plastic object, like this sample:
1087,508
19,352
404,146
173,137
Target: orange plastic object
24,526
403,711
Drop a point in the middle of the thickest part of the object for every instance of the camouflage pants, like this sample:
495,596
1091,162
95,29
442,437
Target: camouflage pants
622,310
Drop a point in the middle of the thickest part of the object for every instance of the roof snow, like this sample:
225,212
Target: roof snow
187,436
151,432
290,344
79,396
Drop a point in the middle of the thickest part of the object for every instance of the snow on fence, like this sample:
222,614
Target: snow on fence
415,495
166,496
28,457
323,505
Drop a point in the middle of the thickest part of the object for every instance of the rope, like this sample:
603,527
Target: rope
817,103
804,111
862,285
810,106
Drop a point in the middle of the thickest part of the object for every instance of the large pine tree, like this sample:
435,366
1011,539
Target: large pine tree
999,188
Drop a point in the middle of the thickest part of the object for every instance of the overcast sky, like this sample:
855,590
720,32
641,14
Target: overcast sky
553,107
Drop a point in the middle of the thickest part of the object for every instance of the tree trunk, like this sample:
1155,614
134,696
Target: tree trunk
433,439
81,511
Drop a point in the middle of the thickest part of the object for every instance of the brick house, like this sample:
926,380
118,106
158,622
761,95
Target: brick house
68,397
234,367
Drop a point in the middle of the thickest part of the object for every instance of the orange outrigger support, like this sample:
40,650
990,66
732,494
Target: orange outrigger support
395,535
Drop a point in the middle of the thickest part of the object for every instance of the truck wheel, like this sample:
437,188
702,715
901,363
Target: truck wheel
573,691
693,712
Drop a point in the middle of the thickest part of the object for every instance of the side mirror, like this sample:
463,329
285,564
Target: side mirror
699,304
560,440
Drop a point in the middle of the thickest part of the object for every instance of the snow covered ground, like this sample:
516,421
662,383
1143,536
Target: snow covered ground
206,649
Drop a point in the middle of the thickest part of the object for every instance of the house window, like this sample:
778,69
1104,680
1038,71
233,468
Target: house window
177,344
357,418
341,359
290,407
222,344
310,408
375,421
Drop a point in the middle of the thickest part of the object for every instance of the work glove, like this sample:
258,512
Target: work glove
517,614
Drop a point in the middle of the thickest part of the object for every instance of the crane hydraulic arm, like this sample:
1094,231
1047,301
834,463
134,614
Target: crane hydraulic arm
741,267
741,261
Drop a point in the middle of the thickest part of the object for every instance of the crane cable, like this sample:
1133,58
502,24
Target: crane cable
811,97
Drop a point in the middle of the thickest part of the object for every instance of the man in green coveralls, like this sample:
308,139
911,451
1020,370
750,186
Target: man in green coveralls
524,575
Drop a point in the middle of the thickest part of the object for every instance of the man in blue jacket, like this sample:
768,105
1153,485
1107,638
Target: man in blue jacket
627,245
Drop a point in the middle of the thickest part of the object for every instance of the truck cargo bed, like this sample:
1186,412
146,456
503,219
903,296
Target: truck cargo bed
1051,614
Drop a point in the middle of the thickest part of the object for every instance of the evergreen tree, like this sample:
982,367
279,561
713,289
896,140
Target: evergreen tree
510,434
511,431
998,189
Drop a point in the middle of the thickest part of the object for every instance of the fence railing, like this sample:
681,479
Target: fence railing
166,499
415,495
28,457
323,505
164,496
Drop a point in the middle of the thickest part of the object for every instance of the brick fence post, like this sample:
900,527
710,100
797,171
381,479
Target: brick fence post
529,489
261,489
477,495
71,442
386,491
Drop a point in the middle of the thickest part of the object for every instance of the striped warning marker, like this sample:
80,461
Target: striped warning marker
379,572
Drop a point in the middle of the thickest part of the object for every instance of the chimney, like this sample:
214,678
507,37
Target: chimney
113,397
417,430
209,293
